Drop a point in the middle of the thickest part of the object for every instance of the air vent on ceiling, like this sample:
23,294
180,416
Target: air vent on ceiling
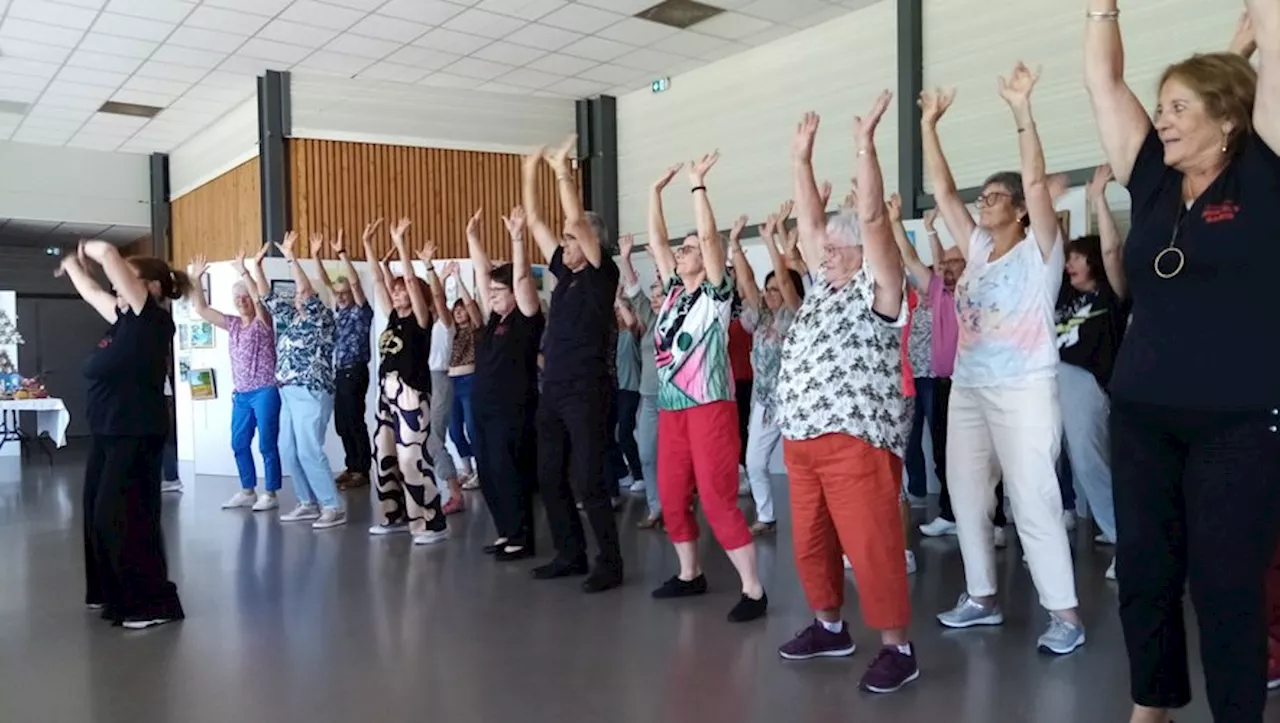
14,107
132,109
679,13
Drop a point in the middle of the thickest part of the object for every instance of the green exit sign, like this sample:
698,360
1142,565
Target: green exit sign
660,85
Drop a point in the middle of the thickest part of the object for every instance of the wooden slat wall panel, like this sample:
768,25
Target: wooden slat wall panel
341,185
220,217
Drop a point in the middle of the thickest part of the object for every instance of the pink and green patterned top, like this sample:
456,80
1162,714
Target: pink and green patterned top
691,339
253,353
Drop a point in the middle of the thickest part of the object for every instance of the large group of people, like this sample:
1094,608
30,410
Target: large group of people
1025,355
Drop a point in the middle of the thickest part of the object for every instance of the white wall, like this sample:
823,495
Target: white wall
748,107
223,145
333,108
967,45
48,183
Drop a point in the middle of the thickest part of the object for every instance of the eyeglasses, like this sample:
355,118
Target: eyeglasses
685,250
987,200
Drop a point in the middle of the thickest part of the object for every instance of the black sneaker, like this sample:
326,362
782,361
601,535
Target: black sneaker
677,588
520,553
747,609
601,579
558,568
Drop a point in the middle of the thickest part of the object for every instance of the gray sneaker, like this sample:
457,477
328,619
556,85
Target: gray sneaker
1062,637
968,614
330,517
302,513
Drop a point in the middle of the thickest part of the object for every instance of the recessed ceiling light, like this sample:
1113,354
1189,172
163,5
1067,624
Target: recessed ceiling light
14,107
679,13
131,109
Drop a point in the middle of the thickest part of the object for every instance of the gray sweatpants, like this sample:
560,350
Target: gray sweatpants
441,404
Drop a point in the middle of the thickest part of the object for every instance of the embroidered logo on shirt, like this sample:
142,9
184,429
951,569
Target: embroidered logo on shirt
1219,212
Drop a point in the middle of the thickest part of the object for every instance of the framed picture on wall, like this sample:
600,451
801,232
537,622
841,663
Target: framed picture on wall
206,287
284,288
184,337
204,384
202,335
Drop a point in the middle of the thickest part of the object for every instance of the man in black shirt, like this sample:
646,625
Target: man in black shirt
571,417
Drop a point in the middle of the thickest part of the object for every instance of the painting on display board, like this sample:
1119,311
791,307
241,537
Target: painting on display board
184,337
202,335
203,384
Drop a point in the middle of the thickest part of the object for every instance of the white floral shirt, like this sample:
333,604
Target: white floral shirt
842,368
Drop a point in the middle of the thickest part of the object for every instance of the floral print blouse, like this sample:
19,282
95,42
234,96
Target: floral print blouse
768,330
304,342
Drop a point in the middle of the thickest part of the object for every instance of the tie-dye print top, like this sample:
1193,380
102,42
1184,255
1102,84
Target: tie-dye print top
1005,312
691,339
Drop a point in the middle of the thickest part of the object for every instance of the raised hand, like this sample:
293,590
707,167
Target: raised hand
427,254
698,169
473,224
515,224
369,230
864,128
768,228
1102,176
792,241
1058,184
1245,41
739,225
851,198
199,265
784,211
894,207
930,218
398,232
338,246
1016,89
387,256
666,177
934,104
626,244
317,244
559,158
806,132
286,246
237,263
262,253
824,194
451,269
530,162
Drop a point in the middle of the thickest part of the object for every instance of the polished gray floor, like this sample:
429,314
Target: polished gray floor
286,624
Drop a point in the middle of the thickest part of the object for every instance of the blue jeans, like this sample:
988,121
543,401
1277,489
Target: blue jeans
462,423
257,410
917,476
304,419
169,463
647,434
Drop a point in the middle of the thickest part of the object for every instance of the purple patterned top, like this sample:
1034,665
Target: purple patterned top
253,354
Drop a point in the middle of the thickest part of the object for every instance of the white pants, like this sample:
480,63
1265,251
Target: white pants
763,439
1014,428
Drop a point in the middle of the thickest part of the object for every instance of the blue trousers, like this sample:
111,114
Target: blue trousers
258,410
917,475
304,420
462,423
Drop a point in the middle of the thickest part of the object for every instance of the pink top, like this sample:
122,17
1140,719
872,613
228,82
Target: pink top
253,354
946,328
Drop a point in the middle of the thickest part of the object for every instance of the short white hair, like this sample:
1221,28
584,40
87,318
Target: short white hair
843,229
238,289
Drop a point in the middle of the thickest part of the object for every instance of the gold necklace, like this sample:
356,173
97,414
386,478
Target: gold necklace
1172,255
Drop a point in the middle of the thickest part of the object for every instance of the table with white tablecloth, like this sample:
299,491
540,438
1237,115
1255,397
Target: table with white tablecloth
52,419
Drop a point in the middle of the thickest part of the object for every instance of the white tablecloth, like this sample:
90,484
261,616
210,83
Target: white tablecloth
52,416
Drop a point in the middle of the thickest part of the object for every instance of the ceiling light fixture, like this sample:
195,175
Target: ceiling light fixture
679,13
130,109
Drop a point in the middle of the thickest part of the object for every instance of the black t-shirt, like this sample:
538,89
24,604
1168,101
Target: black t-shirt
1193,336
1090,327
579,333
126,374
404,347
507,360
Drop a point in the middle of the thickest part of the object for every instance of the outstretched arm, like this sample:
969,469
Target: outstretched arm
199,267
659,243
376,270
571,202
742,271
542,234
877,236
947,199
102,301
811,221
421,310
1265,16
480,264
522,283
935,241
257,276
1016,91
317,250
777,258
468,303
708,235
1122,122
1108,232
299,276
626,245
126,283
920,273
260,312
353,278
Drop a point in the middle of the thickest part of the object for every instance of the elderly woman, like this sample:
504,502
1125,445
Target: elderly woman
697,438
645,305
1003,412
842,357
1196,453
255,403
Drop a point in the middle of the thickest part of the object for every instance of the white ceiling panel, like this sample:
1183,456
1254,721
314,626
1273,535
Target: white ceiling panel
362,46
394,71
581,18
322,14
143,97
56,14
397,30
561,64
125,26
366,5
273,51
62,100
114,45
102,61
446,80
527,78
89,76
509,53
23,82
228,21
206,39
428,12
689,44
481,22
257,7
524,9
169,11
91,4
17,48
612,74
31,31
339,63
187,57
478,69
596,48
95,142
170,71
452,41
422,57
545,37
286,31
637,31
22,66
631,7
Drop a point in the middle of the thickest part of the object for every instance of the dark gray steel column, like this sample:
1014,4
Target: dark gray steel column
910,83
598,149
274,125
161,214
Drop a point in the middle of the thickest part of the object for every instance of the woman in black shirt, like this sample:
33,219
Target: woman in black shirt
408,499
1195,447
505,395
125,569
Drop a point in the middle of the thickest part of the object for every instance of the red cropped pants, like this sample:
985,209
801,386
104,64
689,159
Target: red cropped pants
698,449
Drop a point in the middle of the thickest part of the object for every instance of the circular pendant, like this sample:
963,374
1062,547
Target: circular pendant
1175,259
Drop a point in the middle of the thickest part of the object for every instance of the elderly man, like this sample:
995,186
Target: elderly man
844,417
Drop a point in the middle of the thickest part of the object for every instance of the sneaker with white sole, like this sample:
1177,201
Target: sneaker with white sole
330,517
911,562
302,513
1062,637
637,487
1069,520
171,485
243,498
1000,538
968,614
144,623
266,501
938,528
393,529
431,537
1111,571
1102,539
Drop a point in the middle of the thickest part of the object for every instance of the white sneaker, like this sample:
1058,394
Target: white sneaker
911,562
266,501
1069,520
938,528
1000,539
637,487
1102,539
171,485
330,517
143,624
847,564
301,513
395,529
243,498
1111,571
431,538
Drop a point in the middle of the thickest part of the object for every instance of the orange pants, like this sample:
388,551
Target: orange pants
845,495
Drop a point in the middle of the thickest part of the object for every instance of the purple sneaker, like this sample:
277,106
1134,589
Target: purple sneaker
891,670
816,641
